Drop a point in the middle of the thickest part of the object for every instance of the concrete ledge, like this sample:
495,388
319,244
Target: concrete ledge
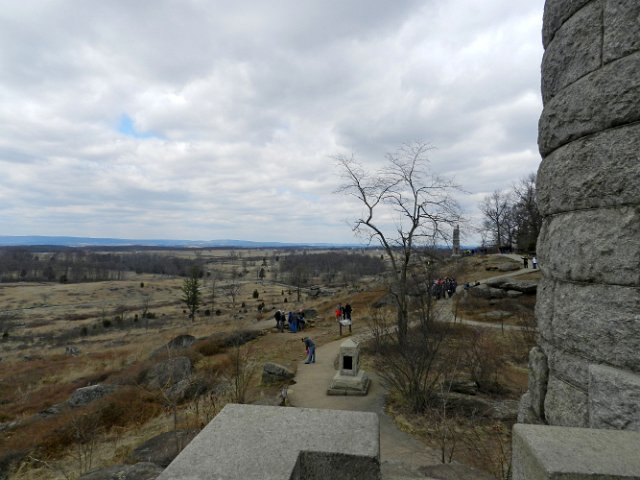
279,443
550,453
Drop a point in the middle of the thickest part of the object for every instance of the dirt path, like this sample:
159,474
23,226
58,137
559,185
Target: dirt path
398,450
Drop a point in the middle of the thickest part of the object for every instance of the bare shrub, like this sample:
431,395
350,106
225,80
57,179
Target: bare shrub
484,359
525,337
408,365
490,445
380,327
239,373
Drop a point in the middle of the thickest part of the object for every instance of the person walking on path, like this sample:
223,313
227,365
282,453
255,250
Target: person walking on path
525,262
311,350
534,262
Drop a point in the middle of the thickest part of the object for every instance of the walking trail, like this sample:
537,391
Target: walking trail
401,454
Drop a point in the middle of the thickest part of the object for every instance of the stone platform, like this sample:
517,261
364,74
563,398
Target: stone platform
553,453
279,443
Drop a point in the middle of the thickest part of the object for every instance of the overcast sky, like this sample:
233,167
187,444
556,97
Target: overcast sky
203,119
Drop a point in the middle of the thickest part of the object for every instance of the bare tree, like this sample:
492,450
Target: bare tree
496,209
406,208
528,218
232,288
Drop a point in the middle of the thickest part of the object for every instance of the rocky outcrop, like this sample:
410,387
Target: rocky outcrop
85,395
173,377
275,373
486,292
163,448
523,286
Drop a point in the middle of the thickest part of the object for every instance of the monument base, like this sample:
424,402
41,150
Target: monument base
357,385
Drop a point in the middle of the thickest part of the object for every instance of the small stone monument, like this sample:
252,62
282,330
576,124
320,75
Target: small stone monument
349,379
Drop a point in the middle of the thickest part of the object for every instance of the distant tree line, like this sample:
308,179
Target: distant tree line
80,265
511,218
331,265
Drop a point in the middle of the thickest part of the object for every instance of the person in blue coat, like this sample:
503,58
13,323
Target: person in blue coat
311,350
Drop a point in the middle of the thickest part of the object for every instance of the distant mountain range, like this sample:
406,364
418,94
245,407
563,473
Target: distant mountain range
32,240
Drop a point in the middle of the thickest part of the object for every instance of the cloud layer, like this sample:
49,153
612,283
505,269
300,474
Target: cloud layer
206,119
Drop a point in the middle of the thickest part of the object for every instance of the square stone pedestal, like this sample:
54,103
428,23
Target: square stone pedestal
349,379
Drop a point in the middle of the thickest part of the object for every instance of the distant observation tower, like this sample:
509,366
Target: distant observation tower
456,241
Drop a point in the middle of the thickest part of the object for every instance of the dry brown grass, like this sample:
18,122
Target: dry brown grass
53,315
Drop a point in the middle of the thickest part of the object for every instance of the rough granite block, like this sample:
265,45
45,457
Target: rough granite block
555,14
614,398
600,245
621,29
574,51
593,321
603,99
554,453
597,171
565,404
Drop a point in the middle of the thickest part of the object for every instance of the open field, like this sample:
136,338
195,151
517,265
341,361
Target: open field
61,337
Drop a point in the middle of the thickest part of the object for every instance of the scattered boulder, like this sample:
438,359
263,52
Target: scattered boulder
310,313
525,286
72,350
275,373
496,315
169,373
174,378
163,448
514,294
139,471
522,286
181,341
486,292
508,267
53,410
83,396
505,410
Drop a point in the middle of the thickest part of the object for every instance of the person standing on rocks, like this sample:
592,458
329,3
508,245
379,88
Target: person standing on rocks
534,263
525,262
311,350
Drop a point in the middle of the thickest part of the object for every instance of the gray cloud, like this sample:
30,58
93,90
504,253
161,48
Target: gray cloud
236,110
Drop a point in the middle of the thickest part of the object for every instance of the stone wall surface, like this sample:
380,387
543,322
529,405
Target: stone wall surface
585,371
595,171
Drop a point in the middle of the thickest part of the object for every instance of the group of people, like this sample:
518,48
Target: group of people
443,288
295,320
534,262
343,313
